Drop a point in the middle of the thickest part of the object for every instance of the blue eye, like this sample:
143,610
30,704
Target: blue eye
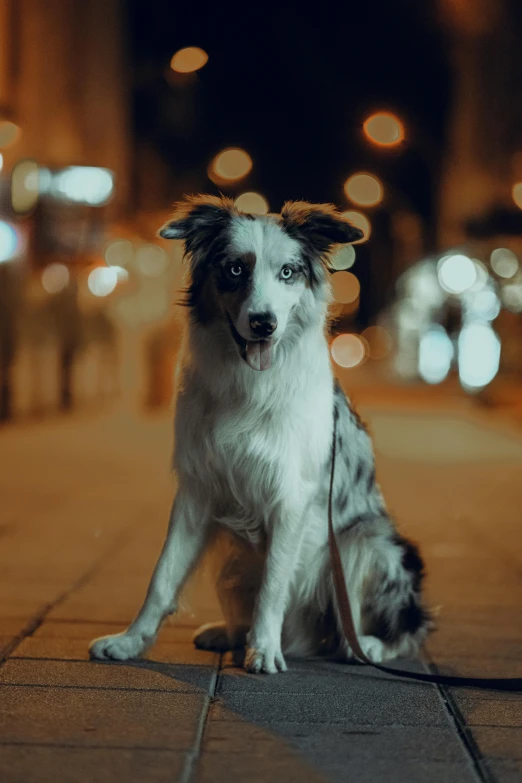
286,273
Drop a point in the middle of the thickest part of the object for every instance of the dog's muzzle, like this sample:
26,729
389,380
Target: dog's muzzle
256,353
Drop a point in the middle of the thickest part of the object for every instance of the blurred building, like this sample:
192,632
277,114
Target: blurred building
63,81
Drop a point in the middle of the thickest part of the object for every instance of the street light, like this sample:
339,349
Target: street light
189,59
231,164
517,194
364,189
252,202
384,129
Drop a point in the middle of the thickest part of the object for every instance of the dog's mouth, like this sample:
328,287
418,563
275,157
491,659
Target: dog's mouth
256,353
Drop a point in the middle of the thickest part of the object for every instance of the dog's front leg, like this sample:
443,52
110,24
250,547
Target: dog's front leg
187,534
263,652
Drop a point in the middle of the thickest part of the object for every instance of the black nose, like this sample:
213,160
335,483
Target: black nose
263,324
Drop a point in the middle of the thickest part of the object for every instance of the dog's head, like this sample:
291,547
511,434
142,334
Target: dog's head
257,274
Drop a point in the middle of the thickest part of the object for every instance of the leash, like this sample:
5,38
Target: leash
345,611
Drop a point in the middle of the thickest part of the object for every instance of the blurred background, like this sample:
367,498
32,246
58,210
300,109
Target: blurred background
406,115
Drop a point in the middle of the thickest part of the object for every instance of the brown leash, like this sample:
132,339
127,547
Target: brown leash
345,611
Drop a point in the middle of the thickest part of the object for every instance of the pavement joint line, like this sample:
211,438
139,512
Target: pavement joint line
33,624
72,745
464,733
96,687
192,756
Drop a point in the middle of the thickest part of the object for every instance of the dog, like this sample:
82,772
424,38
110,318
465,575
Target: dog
256,401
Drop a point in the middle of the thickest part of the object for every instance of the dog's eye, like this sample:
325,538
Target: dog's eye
286,273
235,269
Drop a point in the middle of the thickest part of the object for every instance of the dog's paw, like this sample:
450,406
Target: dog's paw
264,658
212,636
376,650
120,647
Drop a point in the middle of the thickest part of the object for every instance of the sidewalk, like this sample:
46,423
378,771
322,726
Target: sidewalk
84,506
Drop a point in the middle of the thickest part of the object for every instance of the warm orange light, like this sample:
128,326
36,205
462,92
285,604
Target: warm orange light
345,287
379,341
232,164
384,129
348,350
253,203
9,133
359,220
364,189
190,59
517,194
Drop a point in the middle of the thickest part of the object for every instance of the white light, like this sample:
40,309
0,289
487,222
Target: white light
485,305
103,280
84,184
504,262
479,355
421,285
457,273
55,278
8,242
1,161
435,355
512,297
483,276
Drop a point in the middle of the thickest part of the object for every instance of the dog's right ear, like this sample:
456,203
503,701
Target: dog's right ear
198,220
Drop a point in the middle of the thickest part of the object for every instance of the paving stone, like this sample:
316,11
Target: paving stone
384,742
505,771
310,677
93,674
481,667
499,742
78,650
74,716
223,768
491,712
40,764
378,703
87,631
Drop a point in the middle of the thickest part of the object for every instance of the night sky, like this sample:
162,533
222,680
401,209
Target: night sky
292,86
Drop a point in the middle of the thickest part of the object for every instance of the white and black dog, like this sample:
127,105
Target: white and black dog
255,410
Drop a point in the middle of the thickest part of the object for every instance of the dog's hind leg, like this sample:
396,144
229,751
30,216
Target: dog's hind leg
187,535
383,573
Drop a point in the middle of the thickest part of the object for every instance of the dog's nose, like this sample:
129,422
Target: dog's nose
263,324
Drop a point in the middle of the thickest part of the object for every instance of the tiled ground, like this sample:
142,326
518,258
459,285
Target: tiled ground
83,510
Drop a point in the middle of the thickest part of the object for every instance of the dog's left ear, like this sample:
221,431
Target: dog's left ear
319,225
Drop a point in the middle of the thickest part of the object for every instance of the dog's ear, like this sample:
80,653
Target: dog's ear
198,220
319,225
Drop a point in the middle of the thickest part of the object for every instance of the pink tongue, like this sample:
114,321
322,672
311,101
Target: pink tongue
259,354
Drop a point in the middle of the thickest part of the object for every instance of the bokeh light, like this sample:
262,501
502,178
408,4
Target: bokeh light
119,252
1,161
232,164
364,189
103,280
343,257
252,203
151,260
84,184
345,287
189,59
379,341
504,262
348,350
435,355
479,355
457,273
55,277
512,296
384,129
359,220
9,133
24,186
8,242
517,194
